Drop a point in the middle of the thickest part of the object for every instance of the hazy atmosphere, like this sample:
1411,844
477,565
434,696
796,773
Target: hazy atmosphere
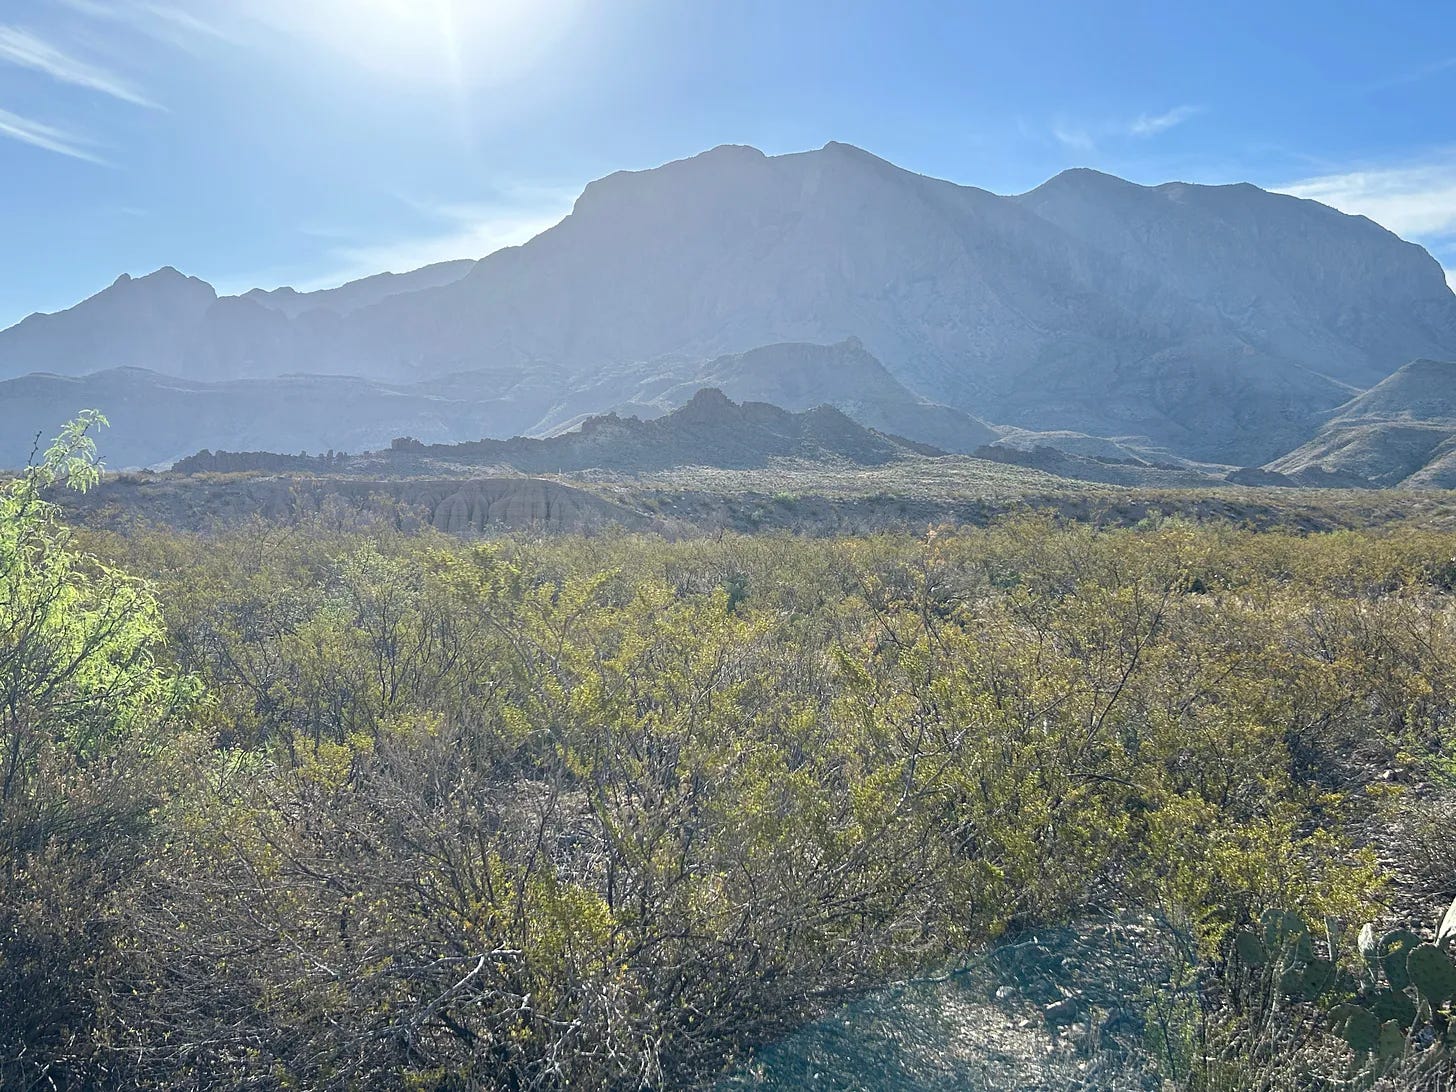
262,143
727,546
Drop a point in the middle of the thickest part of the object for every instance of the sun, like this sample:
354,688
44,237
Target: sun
470,42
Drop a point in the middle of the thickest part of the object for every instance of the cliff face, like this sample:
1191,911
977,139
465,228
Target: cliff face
517,503
1083,306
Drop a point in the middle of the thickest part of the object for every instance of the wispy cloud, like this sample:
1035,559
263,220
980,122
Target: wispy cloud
467,231
1414,75
167,21
1086,138
1070,136
20,47
1152,125
40,135
1417,201
1414,200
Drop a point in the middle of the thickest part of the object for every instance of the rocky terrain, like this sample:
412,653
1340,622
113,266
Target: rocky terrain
1051,1011
1111,470
799,496
1401,432
1218,323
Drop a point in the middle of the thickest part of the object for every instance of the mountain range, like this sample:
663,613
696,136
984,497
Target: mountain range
157,419
1213,323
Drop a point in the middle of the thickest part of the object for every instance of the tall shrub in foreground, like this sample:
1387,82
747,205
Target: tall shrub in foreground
83,711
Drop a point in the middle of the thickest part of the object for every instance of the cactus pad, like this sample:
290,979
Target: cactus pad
1432,973
1392,1040
1250,948
1390,1005
1319,976
1395,946
1285,929
1357,1027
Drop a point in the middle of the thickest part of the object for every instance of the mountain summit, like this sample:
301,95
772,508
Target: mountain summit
1221,322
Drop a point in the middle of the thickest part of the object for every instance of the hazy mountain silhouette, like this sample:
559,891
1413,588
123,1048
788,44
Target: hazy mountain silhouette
709,430
1221,322
156,419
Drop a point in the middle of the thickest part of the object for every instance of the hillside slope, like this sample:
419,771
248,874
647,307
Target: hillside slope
1401,432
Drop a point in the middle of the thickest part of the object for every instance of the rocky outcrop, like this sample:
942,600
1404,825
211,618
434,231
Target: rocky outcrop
239,462
708,430
800,376
517,503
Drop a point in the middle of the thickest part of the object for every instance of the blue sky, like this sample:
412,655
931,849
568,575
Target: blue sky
268,142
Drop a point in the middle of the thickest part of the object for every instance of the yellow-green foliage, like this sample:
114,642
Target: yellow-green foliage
600,812
90,745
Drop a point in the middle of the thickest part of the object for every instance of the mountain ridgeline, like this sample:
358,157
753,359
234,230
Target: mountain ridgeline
157,419
709,430
1401,432
1215,323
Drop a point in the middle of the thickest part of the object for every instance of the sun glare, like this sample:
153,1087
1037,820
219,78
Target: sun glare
469,42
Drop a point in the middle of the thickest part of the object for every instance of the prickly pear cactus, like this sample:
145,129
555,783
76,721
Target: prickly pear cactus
1390,1005
1381,1023
1291,980
1285,930
1317,978
1395,947
1432,973
1392,1041
1250,948
1358,1027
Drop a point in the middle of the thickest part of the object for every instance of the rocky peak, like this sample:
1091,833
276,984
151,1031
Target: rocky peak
709,402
